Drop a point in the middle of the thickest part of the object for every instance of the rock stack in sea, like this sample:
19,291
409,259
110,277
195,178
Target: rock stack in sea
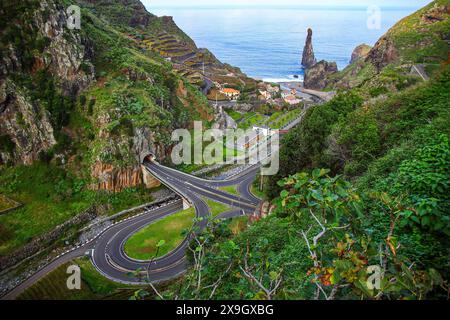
308,59
316,73
317,77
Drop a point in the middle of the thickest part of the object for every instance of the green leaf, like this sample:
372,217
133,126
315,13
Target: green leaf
161,243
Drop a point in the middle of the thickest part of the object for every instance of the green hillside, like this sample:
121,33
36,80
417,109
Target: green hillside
81,107
383,200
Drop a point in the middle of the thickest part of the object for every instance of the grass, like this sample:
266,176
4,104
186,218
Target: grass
51,196
217,208
239,224
230,189
143,244
251,121
258,193
6,203
281,121
236,116
93,285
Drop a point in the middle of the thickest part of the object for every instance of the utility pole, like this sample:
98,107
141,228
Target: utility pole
261,182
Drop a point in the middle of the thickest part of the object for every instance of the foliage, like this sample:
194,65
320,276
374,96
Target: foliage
60,196
93,285
341,251
303,147
424,181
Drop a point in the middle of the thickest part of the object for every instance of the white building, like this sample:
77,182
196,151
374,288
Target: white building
292,100
231,94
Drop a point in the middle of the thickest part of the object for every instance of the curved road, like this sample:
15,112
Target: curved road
107,251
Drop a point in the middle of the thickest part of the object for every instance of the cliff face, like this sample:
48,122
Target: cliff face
316,77
125,100
308,59
41,45
360,52
421,38
383,53
25,125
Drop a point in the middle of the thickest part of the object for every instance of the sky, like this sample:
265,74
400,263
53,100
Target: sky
236,3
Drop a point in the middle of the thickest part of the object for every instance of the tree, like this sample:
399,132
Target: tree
341,252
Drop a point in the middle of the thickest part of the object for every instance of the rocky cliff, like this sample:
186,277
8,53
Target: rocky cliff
360,52
421,38
317,76
308,59
42,46
24,125
94,99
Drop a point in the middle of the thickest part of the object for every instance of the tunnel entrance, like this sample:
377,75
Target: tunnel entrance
149,158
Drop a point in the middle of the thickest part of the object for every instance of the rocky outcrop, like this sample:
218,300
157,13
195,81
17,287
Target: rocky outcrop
316,77
65,55
308,59
383,53
114,176
360,52
436,14
26,126
114,179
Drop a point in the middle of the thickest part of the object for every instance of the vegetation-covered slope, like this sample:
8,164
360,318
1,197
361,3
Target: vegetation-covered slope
382,202
80,108
421,39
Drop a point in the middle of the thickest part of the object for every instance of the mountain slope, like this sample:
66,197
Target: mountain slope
420,39
380,200
79,109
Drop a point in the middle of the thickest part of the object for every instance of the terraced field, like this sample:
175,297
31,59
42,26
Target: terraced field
93,286
194,63
280,119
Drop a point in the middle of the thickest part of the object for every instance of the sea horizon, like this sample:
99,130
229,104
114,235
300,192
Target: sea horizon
268,46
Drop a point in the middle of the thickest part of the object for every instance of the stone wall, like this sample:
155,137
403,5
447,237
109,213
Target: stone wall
45,240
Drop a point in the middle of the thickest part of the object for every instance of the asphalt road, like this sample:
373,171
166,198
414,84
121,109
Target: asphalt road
107,251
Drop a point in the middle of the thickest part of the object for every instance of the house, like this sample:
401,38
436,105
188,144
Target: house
265,94
285,94
230,93
292,100
273,89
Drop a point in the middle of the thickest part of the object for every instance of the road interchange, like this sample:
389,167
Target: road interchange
107,250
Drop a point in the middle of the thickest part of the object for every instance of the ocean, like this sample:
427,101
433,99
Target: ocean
267,43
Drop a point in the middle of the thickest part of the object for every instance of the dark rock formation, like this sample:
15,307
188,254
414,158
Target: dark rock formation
360,52
316,77
18,122
383,53
308,59
65,56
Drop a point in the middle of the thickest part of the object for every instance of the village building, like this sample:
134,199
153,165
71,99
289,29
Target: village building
292,100
265,94
230,93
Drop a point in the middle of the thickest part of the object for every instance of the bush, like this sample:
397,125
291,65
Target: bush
6,144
